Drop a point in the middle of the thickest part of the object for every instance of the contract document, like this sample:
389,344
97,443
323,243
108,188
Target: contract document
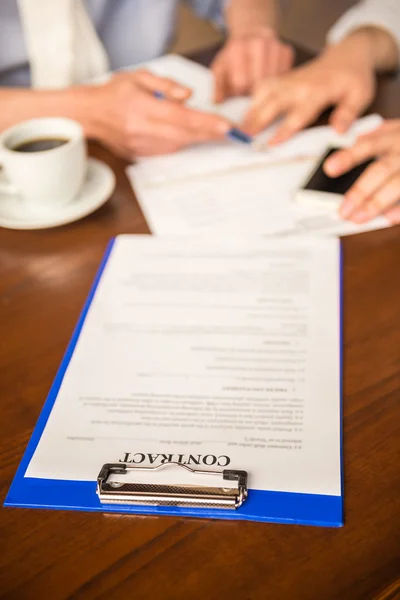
219,354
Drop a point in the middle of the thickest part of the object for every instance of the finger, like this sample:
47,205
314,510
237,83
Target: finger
163,138
268,87
383,199
286,59
365,148
297,119
267,106
237,68
373,178
272,61
347,110
178,135
387,139
393,215
387,125
255,122
170,88
381,130
258,49
212,126
152,146
221,89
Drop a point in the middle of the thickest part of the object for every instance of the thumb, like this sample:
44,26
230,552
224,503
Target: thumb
170,89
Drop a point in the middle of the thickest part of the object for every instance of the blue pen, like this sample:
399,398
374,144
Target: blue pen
159,95
237,135
234,134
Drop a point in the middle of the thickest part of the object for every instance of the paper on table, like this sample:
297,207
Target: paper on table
227,157
198,191
180,194
224,352
259,200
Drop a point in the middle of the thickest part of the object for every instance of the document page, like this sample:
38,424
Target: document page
227,156
254,192
227,188
256,200
212,354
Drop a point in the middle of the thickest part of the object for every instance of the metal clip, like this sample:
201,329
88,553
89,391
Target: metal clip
112,492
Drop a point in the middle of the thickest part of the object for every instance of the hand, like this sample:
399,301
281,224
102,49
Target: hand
377,190
343,76
246,60
124,115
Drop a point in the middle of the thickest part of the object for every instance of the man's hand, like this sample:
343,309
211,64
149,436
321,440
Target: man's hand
377,190
248,59
343,76
124,115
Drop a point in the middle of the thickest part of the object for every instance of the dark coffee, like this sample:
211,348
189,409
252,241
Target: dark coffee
40,144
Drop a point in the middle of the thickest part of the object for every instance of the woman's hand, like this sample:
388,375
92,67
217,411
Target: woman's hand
125,115
246,60
377,190
343,77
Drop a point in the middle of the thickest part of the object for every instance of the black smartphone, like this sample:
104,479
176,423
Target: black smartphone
322,190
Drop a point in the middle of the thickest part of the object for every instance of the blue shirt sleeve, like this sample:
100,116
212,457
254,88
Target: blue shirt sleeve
212,10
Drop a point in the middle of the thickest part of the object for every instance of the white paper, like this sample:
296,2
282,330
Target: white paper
254,191
259,201
228,188
222,352
228,157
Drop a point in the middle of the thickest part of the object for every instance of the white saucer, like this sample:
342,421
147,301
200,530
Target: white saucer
97,188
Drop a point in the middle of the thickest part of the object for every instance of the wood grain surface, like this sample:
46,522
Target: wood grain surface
53,555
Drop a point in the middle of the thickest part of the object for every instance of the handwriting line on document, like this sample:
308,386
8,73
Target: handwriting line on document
231,170
136,439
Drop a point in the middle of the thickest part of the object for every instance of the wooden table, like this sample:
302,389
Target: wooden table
49,555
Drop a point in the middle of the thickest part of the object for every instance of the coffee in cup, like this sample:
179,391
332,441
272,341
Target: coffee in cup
44,162
40,144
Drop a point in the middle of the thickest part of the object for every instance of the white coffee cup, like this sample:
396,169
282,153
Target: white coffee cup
46,179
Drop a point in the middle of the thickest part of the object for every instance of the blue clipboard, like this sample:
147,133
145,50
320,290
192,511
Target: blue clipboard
267,506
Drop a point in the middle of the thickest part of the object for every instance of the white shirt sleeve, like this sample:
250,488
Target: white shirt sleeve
384,14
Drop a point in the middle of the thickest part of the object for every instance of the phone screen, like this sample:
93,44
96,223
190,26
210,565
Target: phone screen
320,182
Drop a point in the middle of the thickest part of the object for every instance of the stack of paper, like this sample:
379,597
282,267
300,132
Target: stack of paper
230,188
